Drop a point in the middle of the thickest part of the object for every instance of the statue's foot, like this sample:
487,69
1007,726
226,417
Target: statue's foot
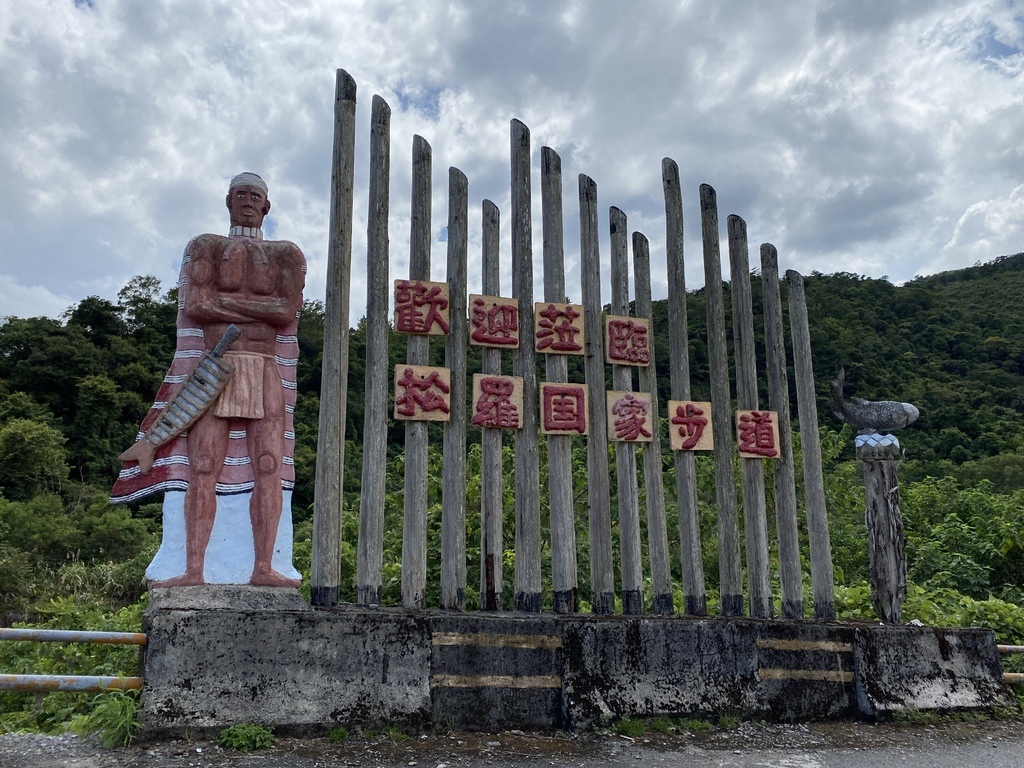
185,580
271,578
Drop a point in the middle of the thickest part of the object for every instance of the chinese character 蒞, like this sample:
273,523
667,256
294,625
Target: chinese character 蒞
557,327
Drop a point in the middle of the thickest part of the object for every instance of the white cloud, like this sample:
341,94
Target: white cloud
880,138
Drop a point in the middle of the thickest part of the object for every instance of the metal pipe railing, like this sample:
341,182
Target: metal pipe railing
1016,678
73,636
78,683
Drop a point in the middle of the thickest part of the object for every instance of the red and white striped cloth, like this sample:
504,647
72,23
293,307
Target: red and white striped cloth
170,470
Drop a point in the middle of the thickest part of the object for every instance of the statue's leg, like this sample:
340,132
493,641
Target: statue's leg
207,446
266,451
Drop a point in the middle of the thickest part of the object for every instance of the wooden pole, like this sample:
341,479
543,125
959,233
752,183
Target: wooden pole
325,576
695,601
759,585
654,489
491,502
527,467
369,569
453,507
602,577
810,443
886,541
414,529
560,488
729,569
786,526
631,563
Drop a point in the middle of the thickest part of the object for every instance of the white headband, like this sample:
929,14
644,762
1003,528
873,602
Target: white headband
248,179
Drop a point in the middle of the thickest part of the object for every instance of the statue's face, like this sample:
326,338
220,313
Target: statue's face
248,206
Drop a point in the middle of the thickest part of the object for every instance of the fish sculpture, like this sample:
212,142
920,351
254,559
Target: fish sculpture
869,417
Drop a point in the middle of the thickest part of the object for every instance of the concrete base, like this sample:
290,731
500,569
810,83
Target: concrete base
218,656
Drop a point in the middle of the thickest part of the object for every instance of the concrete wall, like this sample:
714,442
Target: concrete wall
222,655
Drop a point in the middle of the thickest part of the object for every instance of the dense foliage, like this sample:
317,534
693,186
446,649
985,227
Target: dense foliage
73,391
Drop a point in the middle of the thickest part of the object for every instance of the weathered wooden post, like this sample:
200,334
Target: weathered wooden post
602,578
654,488
560,488
880,453
491,503
631,564
786,525
325,576
886,541
810,443
759,586
370,556
527,468
694,597
414,527
729,570
453,508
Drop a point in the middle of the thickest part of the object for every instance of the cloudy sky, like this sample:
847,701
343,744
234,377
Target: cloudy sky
881,137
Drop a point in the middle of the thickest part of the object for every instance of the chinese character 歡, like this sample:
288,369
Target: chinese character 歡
419,306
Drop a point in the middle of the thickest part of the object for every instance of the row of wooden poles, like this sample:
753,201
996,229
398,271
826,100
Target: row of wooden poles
326,571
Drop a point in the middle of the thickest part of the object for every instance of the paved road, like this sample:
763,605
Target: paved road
990,744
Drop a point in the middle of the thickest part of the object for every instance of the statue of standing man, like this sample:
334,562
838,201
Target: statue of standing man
219,438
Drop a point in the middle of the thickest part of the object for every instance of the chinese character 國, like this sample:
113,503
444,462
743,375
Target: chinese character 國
563,409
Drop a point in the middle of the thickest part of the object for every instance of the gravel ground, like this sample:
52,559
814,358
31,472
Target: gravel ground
752,744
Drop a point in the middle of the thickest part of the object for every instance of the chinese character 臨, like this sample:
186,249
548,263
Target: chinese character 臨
557,328
494,321
422,393
629,416
563,409
757,433
690,429
421,307
627,341
497,401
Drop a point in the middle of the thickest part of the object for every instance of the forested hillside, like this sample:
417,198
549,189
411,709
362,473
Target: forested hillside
73,391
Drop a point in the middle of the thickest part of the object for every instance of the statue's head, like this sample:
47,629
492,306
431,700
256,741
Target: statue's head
247,200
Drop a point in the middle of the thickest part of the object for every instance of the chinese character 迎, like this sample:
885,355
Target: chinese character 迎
757,433
563,409
690,429
557,328
422,393
494,321
497,401
629,416
627,341
421,307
